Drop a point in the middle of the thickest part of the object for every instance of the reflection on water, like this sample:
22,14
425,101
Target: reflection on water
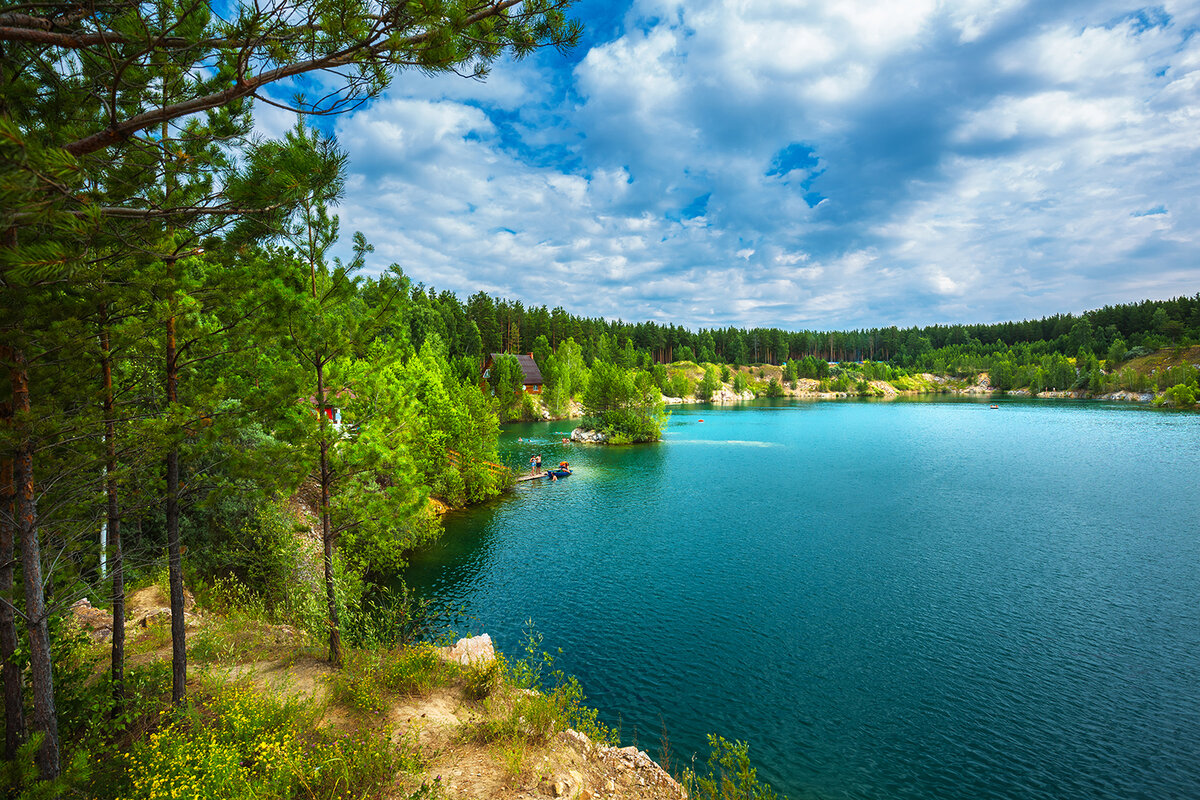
889,600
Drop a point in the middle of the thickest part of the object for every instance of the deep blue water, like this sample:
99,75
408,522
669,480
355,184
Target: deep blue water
886,600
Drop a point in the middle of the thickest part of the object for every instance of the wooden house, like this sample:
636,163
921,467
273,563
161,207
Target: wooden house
531,376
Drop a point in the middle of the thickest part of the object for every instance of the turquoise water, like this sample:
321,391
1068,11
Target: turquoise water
886,600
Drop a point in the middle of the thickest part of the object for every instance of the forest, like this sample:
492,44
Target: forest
182,355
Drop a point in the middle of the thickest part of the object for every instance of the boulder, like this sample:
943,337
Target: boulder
96,621
475,651
149,606
591,437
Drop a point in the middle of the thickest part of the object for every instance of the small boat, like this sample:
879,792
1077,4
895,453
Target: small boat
995,406
558,473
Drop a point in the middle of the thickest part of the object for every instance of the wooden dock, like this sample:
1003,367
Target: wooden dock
541,474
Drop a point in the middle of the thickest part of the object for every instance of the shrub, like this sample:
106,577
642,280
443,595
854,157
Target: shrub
729,775
530,408
240,744
1179,396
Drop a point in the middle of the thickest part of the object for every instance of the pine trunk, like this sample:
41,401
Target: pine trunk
115,556
335,637
45,717
14,703
174,559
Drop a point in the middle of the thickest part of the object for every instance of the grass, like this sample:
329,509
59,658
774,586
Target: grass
370,680
238,743
1165,358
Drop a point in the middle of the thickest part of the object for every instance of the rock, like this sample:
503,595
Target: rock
645,771
96,621
559,788
586,794
578,742
591,437
475,651
610,785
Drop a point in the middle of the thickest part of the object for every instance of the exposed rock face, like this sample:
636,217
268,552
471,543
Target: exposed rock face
148,606
983,385
477,651
728,395
1133,397
96,621
593,437
632,770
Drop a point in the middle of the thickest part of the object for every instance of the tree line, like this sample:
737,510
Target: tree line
486,324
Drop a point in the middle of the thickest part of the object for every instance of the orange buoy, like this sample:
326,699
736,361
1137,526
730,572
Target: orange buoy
702,420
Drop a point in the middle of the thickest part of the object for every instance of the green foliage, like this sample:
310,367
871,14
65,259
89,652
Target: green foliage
545,701
626,406
679,385
541,351
241,744
530,409
709,384
507,382
1116,354
812,367
740,383
1179,396
371,680
729,775
775,389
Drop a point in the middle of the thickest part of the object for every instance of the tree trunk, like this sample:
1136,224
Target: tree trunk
174,559
45,717
14,703
115,555
335,637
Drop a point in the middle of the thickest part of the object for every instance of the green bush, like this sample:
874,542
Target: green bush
729,775
240,744
370,680
1179,396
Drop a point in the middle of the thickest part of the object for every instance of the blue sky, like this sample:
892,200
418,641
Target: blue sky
802,164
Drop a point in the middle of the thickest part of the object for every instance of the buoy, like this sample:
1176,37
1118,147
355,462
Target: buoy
702,420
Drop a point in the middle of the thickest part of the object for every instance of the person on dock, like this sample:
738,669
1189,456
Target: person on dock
533,465
538,464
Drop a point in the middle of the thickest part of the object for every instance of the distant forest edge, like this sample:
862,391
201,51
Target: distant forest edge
508,326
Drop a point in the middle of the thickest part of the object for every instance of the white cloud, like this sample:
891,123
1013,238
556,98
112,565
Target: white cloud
966,161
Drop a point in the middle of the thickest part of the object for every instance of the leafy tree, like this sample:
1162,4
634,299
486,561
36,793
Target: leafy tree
1116,354
628,408
507,381
708,384
541,351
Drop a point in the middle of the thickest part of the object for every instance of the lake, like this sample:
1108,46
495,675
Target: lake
910,599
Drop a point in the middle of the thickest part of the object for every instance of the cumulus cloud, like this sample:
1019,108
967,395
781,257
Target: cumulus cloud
803,164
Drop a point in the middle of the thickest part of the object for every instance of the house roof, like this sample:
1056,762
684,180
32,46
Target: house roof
529,368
